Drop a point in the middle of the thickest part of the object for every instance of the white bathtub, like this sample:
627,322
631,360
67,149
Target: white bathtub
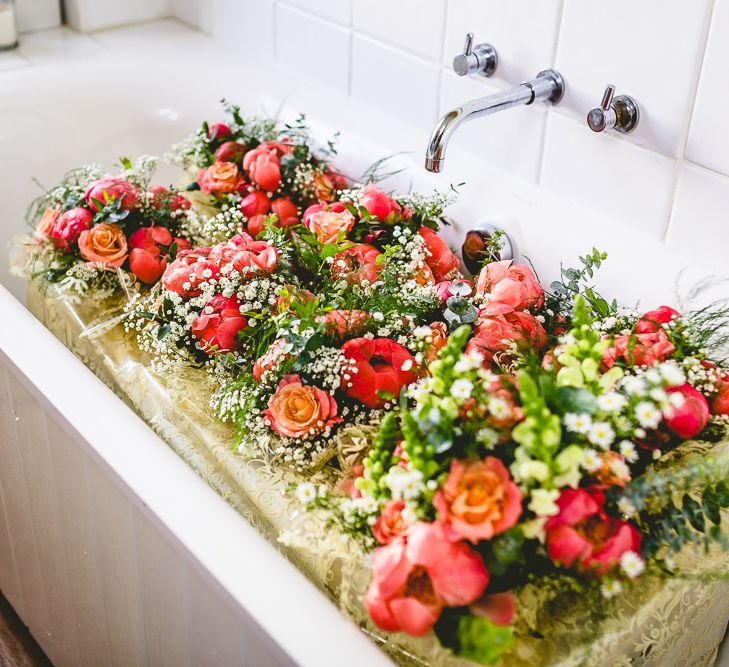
106,563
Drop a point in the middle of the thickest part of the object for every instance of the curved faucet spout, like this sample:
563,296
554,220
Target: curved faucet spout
548,85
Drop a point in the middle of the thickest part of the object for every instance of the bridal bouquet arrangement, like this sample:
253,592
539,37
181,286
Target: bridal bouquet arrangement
94,232
476,436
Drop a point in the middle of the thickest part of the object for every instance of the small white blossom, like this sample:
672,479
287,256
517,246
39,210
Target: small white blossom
611,402
601,434
610,588
648,415
629,451
578,423
306,492
632,564
591,460
461,389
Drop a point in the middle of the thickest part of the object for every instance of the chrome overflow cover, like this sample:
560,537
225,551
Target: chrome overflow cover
486,243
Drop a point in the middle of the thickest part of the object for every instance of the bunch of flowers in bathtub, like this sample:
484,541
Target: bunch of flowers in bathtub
533,450
247,169
94,232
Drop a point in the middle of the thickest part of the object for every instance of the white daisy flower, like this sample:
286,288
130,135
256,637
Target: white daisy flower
611,402
629,451
610,588
672,374
461,389
632,564
499,408
601,434
626,508
306,492
578,423
591,460
648,415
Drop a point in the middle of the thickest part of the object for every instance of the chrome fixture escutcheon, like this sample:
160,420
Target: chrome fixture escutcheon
478,246
476,59
619,113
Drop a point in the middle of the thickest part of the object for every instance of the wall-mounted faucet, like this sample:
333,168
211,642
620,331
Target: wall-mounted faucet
547,86
619,113
479,59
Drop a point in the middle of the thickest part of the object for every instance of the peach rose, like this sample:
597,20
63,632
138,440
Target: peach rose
220,178
298,410
343,323
48,220
440,338
509,287
479,499
105,244
391,523
327,223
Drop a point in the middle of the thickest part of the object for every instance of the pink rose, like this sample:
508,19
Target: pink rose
220,178
256,203
691,417
651,322
639,349
479,499
68,227
391,523
230,151
509,287
360,264
108,189
379,204
263,167
245,255
414,577
286,212
103,244
48,220
298,410
218,325
192,267
582,535
326,221
440,258
218,131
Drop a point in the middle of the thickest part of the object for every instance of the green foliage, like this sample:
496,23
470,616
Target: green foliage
482,641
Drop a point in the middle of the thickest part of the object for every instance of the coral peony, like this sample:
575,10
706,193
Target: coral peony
286,212
220,178
639,349
383,368
652,320
108,189
218,131
326,221
146,260
256,203
479,499
391,523
184,275
230,151
218,325
160,197
298,410
582,535
498,333
440,258
689,418
245,255
344,323
263,167
104,244
379,204
68,227
357,264
414,577
509,287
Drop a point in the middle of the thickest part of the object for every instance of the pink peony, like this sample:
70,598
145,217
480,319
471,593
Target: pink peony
218,131
691,417
497,333
582,535
643,349
68,227
230,151
444,291
108,189
298,410
509,287
218,325
360,264
263,167
440,258
479,499
245,255
286,212
379,204
414,577
256,203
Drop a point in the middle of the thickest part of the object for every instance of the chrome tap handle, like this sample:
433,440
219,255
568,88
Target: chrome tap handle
614,113
475,59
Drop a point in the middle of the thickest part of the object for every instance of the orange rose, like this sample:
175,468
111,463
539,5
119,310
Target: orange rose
439,337
479,499
220,178
297,410
45,224
326,225
105,244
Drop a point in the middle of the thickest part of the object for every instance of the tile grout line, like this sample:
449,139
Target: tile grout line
681,160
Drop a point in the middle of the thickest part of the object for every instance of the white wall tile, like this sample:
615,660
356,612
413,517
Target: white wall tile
648,49
315,49
90,15
412,25
37,14
708,142
389,79
511,141
699,222
245,25
334,10
612,177
524,33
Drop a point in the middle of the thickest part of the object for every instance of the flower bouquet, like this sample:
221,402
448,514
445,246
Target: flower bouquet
94,234
539,448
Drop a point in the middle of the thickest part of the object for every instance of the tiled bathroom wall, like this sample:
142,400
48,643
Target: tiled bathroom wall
670,178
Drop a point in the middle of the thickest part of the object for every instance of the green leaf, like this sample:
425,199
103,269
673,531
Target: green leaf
125,162
330,250
163,331
173,251
710,504
482,641
507,546
575,399
693,513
